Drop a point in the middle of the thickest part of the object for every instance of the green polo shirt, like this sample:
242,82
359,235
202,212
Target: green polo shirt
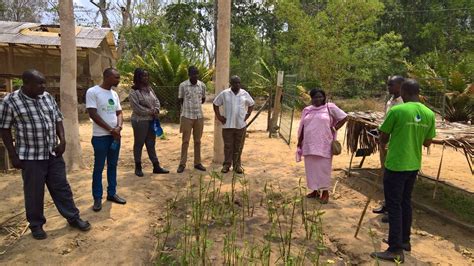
409,125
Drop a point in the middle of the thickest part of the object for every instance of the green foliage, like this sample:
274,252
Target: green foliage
427,26
338,45
460,106
451,201
346,47
17,83
187,21
266,80
142,38
167,68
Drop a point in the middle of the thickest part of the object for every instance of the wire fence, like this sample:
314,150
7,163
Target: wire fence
168,96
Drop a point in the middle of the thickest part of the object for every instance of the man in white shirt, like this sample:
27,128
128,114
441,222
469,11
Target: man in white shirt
103,106
394,84
238,105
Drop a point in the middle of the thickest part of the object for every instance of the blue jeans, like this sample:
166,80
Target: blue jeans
102,152
398,187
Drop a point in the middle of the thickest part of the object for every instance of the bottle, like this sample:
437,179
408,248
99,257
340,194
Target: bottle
115,145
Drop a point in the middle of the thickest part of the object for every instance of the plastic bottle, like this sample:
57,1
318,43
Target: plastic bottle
115,145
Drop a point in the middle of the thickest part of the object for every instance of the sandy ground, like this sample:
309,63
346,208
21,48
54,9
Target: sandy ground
125,234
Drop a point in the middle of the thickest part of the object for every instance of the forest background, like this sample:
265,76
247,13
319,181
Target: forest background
349,48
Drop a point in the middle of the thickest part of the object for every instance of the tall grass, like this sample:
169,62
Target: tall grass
192,227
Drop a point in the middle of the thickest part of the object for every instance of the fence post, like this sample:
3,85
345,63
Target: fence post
277,102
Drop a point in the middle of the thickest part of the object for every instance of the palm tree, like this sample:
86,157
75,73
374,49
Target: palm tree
168,68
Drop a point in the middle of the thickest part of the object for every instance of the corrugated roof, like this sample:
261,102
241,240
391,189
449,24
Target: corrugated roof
11,32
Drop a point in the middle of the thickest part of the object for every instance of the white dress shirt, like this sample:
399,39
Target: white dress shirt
235,107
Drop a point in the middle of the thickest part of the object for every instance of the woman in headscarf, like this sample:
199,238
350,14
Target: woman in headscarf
318,128
145,108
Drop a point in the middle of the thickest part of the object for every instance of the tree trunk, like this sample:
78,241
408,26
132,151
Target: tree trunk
68,91
103,7
125,24
222,69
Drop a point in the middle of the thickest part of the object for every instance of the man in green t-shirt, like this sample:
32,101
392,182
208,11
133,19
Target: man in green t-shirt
408,126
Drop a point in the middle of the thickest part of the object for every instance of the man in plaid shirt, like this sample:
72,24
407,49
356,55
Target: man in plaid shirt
191,95
37,121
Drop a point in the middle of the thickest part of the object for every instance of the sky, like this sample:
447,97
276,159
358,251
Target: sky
85,3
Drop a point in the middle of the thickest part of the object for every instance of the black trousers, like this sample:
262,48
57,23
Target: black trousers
143,135
51,172
398,187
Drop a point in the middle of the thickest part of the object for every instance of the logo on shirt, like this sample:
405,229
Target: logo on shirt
111,102
418,118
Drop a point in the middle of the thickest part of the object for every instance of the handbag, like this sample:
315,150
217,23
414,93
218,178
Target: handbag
336,147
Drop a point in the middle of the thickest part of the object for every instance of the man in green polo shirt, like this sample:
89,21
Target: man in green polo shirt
408,126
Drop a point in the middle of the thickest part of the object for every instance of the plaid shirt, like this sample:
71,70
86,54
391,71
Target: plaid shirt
34,121
192,99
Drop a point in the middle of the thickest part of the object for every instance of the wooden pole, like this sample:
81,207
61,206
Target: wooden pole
439,173
277,102
68,86
222,69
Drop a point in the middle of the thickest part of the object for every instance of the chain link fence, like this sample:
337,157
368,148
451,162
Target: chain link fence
170,106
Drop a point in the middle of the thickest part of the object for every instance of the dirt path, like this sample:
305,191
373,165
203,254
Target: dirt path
125,234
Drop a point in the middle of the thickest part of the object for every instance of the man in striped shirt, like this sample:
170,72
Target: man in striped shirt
37,121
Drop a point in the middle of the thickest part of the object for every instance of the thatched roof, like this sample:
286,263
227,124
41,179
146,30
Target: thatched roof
35,34
455,135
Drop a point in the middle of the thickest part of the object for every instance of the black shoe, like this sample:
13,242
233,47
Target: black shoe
225,169
180,168
405,246
97,205
38,233
381,209
80,224
239,170
117,199
138,169
157,169
390,256
200,167
385,218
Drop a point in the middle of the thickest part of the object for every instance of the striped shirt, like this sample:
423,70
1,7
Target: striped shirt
192,96
34,122
235,107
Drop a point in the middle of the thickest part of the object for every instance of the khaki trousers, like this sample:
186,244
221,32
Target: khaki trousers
188,126
233,144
